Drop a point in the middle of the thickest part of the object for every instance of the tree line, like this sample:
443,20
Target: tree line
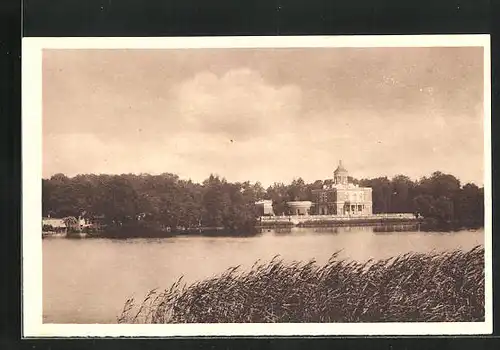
160,202
167,202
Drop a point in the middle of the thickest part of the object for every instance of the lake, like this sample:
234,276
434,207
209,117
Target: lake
89,280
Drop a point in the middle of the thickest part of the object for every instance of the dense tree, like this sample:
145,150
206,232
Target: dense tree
71,223
216,201
469,205
443,209
258,191
117,200
382,192
403,188
424,205
298,191
440,184
278,193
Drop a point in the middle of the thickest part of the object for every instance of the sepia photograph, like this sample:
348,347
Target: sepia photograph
257,186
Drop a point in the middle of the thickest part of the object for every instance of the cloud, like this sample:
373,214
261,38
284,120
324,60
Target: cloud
213,124
263,120
236,105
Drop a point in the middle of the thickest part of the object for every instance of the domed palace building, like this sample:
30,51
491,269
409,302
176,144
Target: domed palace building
341,197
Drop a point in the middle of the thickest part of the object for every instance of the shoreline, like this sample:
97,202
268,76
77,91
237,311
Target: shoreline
299,220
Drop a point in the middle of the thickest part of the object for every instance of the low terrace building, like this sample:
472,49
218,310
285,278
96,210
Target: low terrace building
265,207
299,207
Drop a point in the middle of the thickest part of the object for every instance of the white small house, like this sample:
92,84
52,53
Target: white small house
265,207
54,222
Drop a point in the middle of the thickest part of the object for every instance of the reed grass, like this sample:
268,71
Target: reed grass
414,287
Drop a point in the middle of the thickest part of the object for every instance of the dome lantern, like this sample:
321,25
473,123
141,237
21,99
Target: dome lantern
340,174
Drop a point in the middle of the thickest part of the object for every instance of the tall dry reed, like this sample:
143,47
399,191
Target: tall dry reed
414,287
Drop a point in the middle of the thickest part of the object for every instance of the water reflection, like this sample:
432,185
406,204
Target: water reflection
376,229
281,230
334,230
396,228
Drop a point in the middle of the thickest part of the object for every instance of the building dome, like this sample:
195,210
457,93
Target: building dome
340,169
340,175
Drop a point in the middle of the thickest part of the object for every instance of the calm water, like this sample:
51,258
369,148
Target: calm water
88,280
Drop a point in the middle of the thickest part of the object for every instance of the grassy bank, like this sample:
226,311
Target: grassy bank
438,287
435,225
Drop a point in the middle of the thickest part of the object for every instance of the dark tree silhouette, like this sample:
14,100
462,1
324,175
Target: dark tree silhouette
165,202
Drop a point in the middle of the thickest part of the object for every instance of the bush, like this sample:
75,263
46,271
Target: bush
414,287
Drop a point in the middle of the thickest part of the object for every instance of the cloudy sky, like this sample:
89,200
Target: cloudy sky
264,115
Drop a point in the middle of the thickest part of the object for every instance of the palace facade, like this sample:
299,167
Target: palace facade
342,197
337,197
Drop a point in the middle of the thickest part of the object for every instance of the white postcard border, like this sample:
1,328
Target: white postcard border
33,325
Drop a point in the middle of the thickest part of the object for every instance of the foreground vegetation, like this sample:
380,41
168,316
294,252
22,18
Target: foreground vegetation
433,287
164,203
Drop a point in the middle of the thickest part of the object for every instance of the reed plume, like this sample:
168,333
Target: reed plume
414,287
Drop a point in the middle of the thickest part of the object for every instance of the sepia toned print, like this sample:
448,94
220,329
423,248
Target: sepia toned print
312,184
